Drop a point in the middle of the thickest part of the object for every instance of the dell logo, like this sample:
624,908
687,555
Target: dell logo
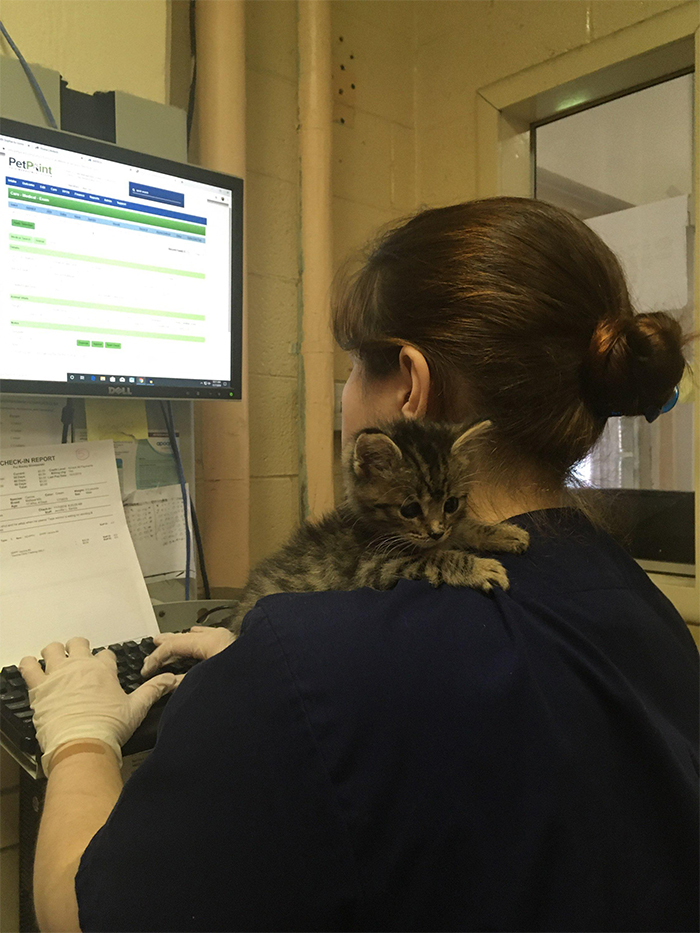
118,390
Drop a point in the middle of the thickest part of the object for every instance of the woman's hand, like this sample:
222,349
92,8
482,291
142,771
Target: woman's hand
79,697
200,642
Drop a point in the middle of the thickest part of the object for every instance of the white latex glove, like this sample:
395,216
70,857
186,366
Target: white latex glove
79,697
200,642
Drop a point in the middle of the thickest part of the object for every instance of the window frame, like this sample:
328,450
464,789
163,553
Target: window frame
659,48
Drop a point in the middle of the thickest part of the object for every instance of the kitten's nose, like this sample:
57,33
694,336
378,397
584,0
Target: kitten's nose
436,535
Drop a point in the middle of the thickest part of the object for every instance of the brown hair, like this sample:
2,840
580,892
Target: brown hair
523,304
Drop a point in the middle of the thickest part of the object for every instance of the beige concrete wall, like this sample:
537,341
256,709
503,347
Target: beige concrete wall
97,45
273,271
374,155
461,47
374,180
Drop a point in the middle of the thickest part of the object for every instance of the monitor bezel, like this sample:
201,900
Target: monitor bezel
105,150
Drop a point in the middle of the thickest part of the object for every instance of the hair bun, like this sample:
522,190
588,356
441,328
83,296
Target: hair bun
633,363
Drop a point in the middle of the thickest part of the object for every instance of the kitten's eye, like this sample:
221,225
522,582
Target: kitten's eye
411,510
451,504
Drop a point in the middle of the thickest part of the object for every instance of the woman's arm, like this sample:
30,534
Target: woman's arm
82,790
82,717
232,823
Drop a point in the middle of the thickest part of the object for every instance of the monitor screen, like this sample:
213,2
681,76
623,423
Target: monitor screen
121,272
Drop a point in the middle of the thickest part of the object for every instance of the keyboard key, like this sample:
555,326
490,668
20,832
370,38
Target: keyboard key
13,695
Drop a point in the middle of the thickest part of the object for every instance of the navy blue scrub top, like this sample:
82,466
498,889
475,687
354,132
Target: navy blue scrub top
425,759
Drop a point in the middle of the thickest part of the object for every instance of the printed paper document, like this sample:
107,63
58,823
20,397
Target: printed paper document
68,563
157,524
26,422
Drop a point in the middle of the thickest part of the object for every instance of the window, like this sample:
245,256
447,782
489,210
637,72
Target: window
625,168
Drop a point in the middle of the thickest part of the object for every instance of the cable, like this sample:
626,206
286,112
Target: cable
193,82
193,511
200,552
205,615
67,421
170,426
50,119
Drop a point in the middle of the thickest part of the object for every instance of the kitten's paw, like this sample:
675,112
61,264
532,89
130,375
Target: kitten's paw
512,538
435,576
454,568
489,573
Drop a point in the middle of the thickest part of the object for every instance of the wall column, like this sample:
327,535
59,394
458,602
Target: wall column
223,469
315,116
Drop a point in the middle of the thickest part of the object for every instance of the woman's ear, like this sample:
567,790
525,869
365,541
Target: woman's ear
415,375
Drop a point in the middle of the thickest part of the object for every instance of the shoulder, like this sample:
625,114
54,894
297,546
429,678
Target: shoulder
368,616
574,582
350,648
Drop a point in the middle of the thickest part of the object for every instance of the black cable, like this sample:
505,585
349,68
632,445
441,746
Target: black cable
67,421
193,511
50,119
167,411
193,82
200,551
205,615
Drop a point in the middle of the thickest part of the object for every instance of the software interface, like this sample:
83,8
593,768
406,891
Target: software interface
111,272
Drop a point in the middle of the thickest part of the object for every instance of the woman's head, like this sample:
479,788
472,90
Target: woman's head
523,317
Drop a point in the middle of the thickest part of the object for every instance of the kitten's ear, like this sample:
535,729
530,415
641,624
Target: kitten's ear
470,434
374,452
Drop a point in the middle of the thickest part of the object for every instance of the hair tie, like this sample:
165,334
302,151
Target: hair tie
652,413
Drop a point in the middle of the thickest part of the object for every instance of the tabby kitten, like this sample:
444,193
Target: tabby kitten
405,516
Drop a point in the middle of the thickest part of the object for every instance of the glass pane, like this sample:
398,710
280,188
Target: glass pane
625,167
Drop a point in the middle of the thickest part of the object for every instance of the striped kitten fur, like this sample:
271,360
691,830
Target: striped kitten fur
405,516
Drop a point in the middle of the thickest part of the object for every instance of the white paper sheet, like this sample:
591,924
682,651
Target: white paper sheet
156,522
145,464
27,422
650,241
68,564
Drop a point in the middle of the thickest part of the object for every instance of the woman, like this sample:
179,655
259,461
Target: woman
419,759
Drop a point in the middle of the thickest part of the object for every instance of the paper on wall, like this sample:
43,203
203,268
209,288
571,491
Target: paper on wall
145,464
26,422
650,241
116,419
156,521
69,565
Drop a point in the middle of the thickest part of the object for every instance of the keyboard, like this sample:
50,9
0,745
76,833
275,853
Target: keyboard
17,726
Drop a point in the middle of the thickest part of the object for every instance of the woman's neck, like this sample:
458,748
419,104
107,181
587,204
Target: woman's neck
495,503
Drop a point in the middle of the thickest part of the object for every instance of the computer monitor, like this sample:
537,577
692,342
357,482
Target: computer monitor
121,272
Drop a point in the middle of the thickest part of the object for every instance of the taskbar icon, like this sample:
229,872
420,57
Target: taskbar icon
97,377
